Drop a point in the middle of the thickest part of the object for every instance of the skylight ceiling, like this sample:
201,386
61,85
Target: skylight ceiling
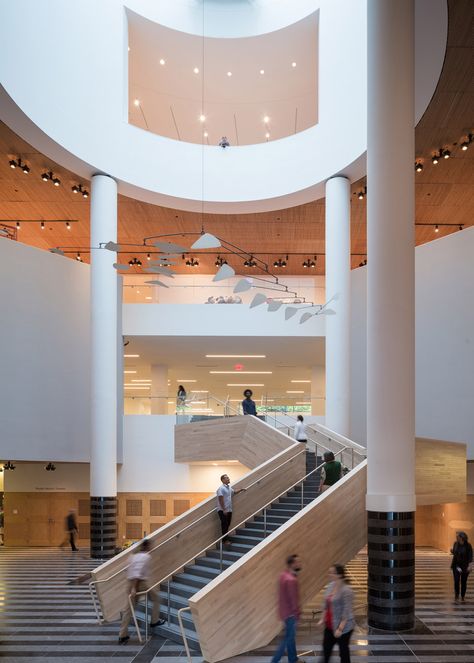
198,90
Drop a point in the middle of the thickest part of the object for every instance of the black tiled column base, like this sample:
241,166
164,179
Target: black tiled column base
391,570
103,527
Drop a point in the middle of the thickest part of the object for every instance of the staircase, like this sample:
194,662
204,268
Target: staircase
195,576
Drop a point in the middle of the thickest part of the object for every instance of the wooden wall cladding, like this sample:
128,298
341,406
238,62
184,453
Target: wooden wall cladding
197,528
246,439
436,525
441,471
330,530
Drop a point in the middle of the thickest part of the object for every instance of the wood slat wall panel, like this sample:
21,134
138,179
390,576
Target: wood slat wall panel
441,471
331,530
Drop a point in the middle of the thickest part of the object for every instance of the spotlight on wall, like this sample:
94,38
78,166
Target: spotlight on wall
79,257
280,262
309,263
465,143
18,163
250,262
135,262
68,225
192,262
49,177
363,263
461,226
435,158
361,194
446,154
436,228
42,225
148,256
418,166
9,466
50,467
224,142
220,261
18,225
77,188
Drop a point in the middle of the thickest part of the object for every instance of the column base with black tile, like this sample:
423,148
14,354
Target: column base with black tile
391,570
103,527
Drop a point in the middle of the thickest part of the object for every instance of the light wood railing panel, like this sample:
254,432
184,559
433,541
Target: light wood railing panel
441,471
237,611
179,546
243,438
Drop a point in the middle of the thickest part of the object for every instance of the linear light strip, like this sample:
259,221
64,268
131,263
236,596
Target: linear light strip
237,356
241,372
244,384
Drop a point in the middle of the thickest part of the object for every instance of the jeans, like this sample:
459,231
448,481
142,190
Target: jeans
226,519
463,578
343,642
288,642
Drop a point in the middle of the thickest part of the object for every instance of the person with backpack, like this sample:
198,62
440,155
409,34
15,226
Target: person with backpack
461,564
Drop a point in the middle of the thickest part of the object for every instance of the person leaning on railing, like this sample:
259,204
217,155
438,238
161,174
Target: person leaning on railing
331,471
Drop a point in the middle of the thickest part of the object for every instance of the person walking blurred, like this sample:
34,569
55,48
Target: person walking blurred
71,531
338,618
461,564
289,609
138,575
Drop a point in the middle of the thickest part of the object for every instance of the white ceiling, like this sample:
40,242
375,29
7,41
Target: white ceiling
287,358
172,97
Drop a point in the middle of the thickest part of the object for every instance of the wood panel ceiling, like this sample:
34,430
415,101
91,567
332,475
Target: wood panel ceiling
444,192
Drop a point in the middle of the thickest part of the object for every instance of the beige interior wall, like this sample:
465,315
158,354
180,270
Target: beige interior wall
437,524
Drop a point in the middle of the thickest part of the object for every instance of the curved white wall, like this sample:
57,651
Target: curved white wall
73,107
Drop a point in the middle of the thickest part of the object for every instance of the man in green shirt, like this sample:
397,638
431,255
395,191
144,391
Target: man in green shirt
331,471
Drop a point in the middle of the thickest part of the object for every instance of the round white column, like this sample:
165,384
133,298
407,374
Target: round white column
391,315
104,303
159,389
338,285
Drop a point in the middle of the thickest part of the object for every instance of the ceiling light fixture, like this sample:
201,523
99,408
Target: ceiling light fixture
162,61
237,356
418,166
192,262
436,228
205,134
229,73
262,71
267,135
48,177
363,263
135,262
136,102
220,261
293,64
244,384
78,257
18,163
68,225
461,226
42,225
196,70
294,392
465,143
77,188
266,119
148,256
250,262
280,262
183,381
446,154
18,225
9,465
50,467
435,159
305,381
361,194
127,356
130,372
309,263
241,372
202,118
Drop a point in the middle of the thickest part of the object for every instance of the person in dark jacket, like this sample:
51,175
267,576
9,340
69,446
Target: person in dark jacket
71,530
248,405
461,564
331,471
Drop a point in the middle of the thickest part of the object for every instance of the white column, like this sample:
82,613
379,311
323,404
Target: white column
338,286
390,242
318,390
103,339
159,389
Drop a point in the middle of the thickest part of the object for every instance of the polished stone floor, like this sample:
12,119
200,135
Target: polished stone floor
46,612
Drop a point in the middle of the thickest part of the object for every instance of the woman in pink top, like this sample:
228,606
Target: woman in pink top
338,618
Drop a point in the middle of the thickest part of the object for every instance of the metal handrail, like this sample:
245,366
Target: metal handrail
177,534
183,633
220,539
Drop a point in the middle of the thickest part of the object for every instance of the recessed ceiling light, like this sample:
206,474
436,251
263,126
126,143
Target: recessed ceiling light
129,49
237,356
244,384
241,372
162,61
202,118
267,135
205,134
186,380
139,380
306,381
266,119
131,355
229,73
196,70
136,102
293,64
262,71
134,386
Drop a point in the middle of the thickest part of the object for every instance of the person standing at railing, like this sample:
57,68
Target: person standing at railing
181,397
248,405
289,609
138,574
338,618
300,430
331,471
224,493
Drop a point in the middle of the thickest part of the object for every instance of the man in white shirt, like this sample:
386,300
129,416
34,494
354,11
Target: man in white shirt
300,430
224,493
138,576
